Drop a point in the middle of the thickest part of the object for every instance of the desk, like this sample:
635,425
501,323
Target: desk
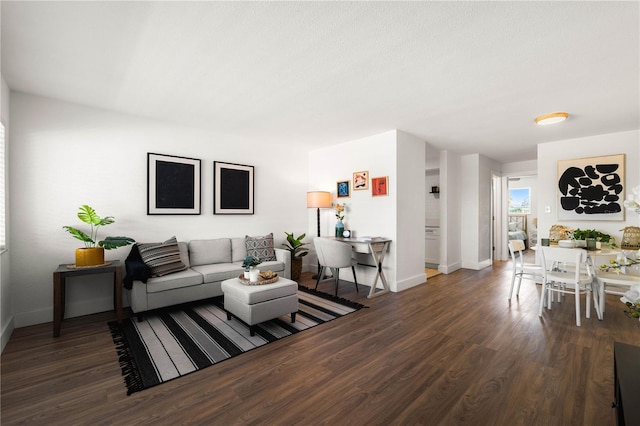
377,247
59,288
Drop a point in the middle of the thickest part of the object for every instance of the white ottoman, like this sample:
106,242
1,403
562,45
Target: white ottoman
254,304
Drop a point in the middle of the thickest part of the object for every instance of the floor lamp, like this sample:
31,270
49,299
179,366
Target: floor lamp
318,200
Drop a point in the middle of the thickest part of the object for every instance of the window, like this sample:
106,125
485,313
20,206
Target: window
520,201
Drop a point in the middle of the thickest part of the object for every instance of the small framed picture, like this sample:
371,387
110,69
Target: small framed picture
360,180
343,189
379,186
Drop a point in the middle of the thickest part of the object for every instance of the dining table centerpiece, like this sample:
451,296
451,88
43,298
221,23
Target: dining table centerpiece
600,237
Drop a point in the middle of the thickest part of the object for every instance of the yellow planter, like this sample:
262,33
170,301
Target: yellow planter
90,256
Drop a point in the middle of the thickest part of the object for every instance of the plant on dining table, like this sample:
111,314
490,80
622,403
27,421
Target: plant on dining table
583,234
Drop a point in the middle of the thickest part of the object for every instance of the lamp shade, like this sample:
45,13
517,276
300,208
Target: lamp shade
319,199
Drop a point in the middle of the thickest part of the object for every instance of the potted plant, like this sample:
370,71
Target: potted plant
92,254
601,237
298,251
250,271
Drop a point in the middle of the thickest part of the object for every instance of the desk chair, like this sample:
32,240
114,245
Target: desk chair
334,255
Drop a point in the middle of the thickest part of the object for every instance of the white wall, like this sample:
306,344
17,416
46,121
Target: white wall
410,214
6,311
431,157
377,216
520,168
65,155
469,174
627,143
476,181
450,212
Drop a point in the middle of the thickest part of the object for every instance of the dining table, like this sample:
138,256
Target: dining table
613,267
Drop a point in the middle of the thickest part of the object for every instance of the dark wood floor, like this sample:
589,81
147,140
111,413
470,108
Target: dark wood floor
453,351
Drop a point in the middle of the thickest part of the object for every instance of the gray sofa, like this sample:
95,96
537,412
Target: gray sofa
208,262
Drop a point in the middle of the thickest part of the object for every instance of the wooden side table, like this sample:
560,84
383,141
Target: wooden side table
59,288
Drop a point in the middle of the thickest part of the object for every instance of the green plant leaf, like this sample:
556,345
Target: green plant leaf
110,243
106,221
295,245
76,233
88,215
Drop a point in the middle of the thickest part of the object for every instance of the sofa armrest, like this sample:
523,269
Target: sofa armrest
284,256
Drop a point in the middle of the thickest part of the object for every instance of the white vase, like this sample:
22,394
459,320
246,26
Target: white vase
253,275
246,275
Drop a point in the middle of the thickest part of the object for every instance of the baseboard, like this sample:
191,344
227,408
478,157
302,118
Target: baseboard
25,319
7,330
477,265
447,269
411,282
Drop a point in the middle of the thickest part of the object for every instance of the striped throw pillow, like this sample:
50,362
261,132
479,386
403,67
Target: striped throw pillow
162,258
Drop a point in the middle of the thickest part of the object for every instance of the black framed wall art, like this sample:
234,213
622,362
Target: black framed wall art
233,188
591,188
173,185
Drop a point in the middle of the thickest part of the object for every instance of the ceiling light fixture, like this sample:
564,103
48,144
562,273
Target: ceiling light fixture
553,118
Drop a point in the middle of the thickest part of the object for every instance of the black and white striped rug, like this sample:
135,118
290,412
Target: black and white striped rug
175,341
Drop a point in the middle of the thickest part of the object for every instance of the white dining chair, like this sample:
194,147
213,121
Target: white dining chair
334,255
520,268
567,271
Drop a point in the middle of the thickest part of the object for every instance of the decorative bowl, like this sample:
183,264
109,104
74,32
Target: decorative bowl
567,243
267,275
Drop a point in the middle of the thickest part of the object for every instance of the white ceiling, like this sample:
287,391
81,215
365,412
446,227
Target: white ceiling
465,76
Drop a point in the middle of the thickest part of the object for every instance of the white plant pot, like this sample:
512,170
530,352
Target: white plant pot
253,275
246,275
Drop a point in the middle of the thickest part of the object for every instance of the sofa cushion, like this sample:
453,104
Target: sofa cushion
184,253
238,250
218,271
162,258
186,278
206,252
260,247
273,265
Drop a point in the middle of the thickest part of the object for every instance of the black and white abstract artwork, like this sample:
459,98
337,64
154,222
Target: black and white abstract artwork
173,184
591,188
233,188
